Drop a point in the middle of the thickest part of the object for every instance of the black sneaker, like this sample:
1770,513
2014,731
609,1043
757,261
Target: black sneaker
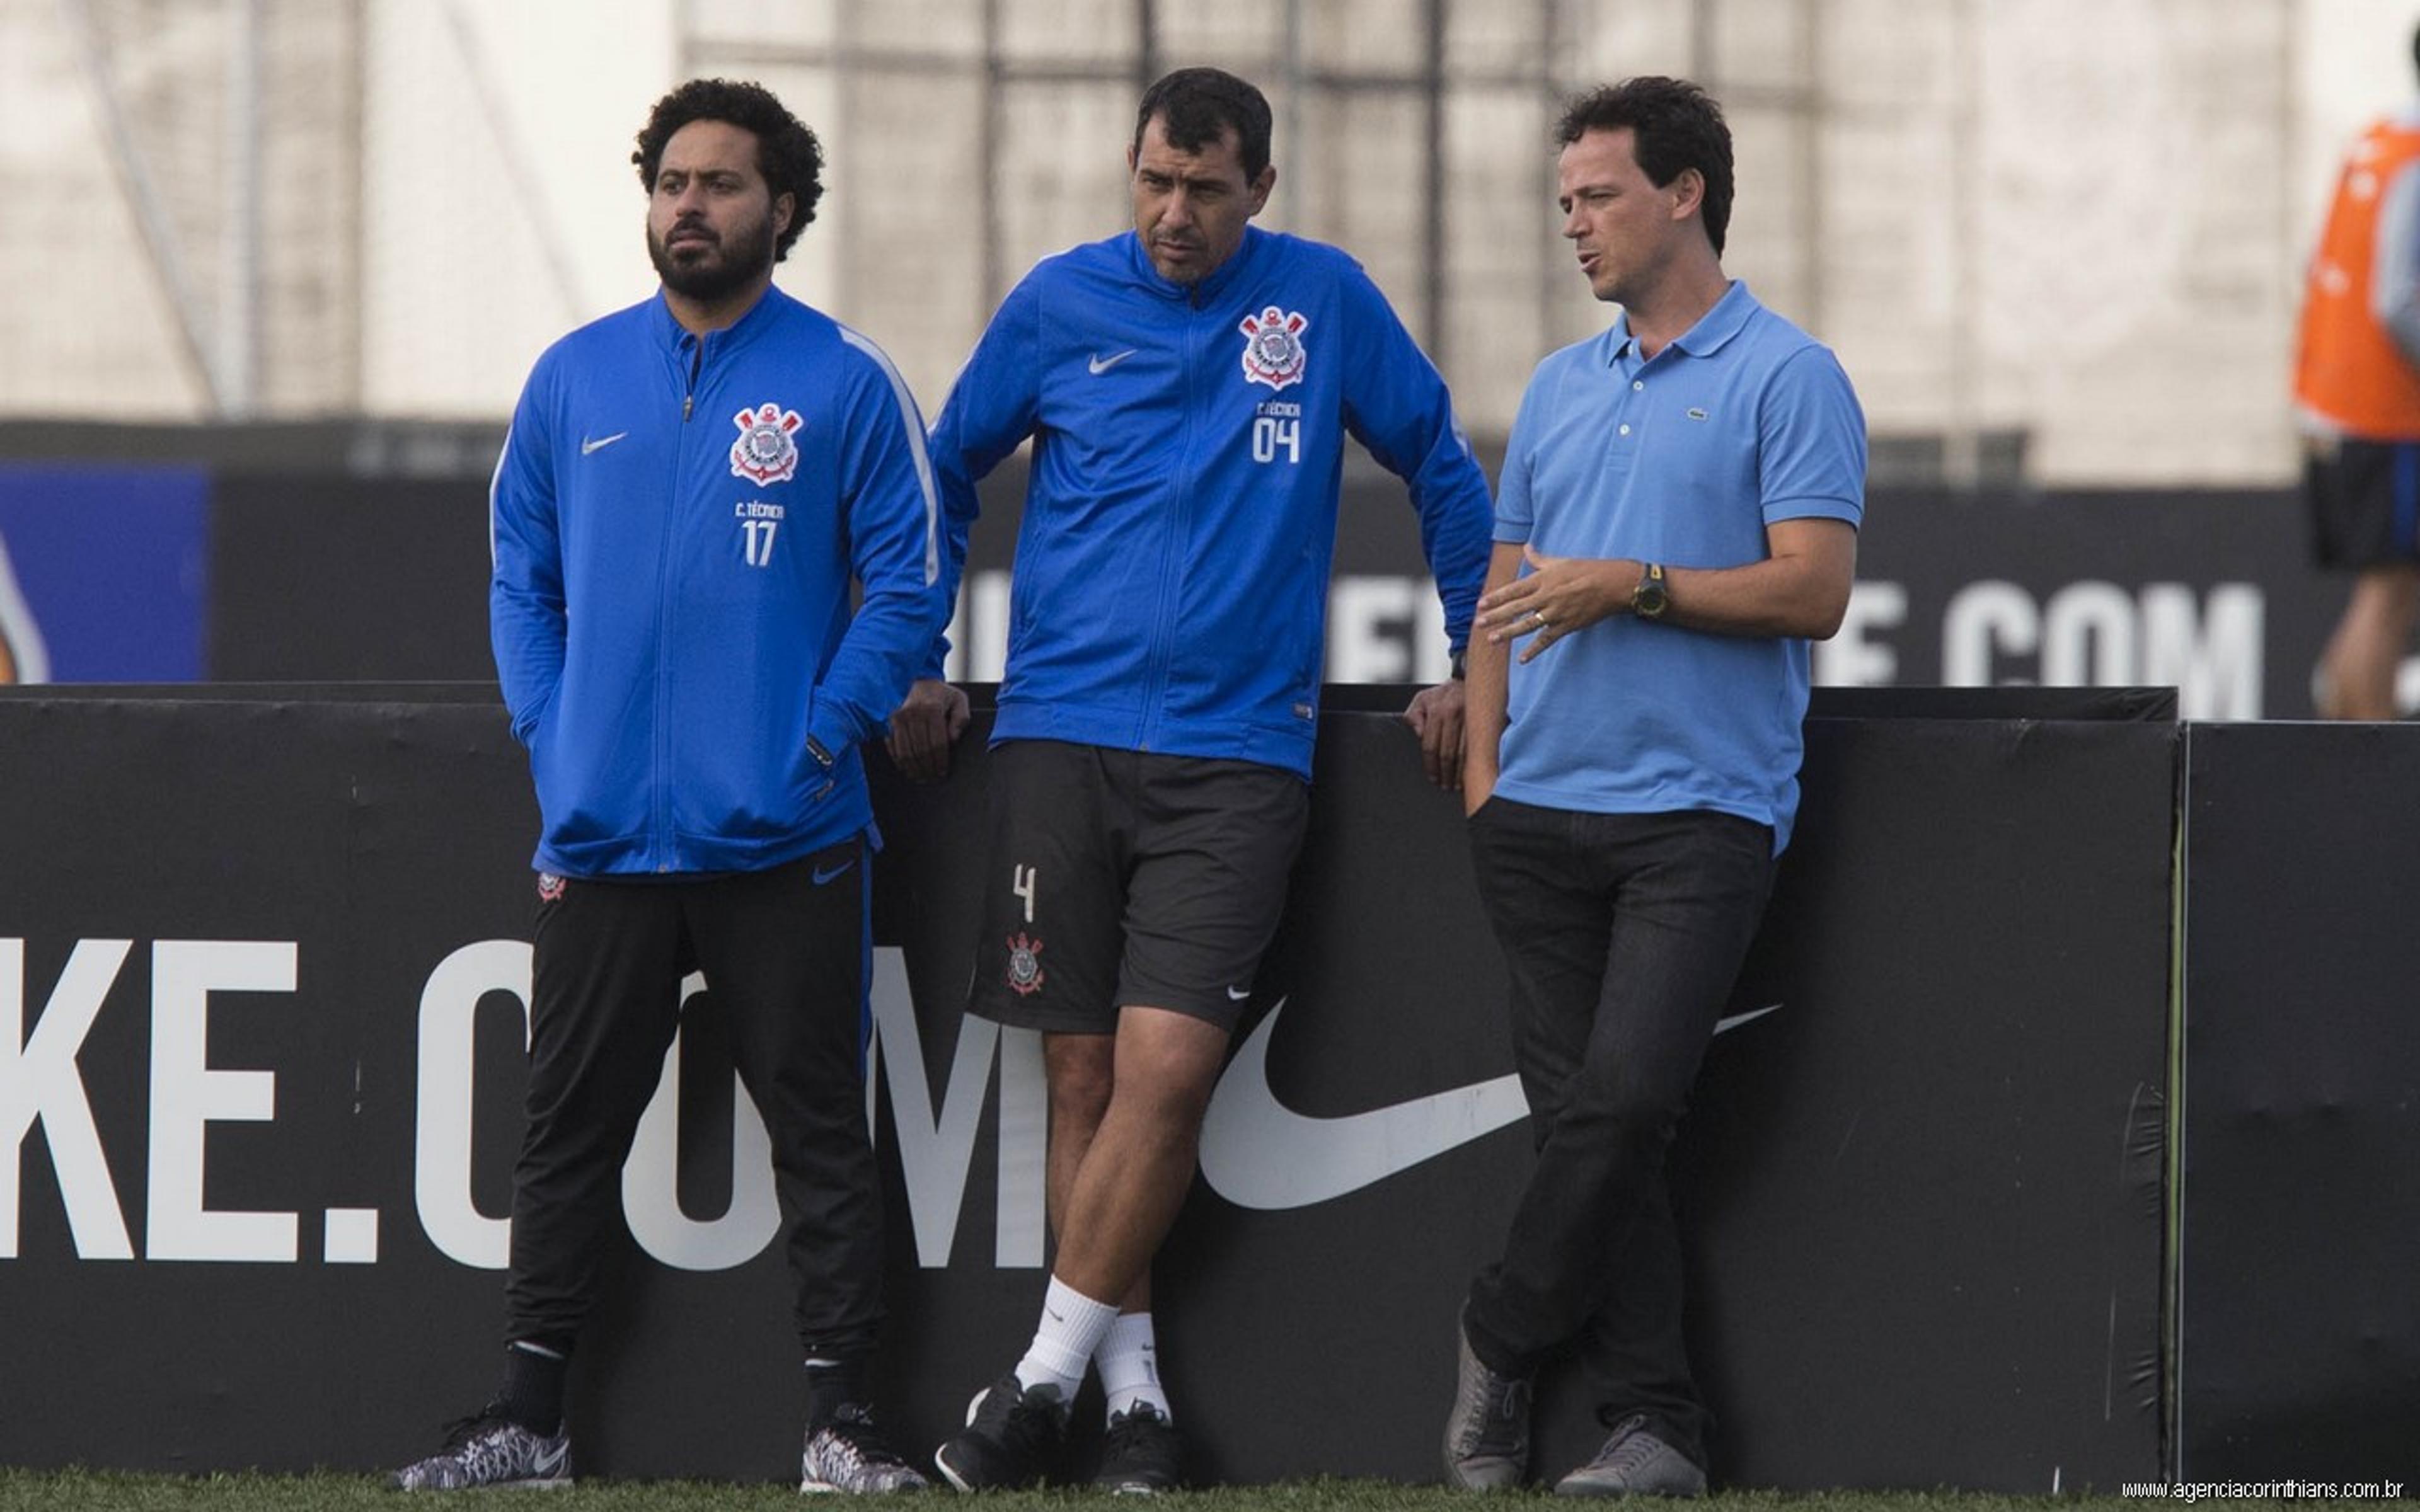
850,1454
1011,1438
488,1449
1140,1455
1487,1433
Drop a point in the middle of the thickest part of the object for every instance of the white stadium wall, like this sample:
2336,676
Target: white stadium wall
2075,221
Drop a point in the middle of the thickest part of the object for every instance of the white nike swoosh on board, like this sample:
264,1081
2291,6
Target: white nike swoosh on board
588,446
1098,366
1257,1152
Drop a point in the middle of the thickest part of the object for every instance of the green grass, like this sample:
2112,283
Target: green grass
77,1490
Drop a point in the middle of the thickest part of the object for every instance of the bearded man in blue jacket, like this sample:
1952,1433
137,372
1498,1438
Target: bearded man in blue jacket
689,488
1188,387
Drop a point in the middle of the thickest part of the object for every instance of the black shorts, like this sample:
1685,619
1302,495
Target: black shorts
2365,500
1121,878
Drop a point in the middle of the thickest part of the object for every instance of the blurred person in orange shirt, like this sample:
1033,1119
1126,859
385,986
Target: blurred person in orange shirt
2357,397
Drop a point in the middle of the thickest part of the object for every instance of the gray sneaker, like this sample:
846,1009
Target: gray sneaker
1635,1462
1487,1434
487,1449
850,1455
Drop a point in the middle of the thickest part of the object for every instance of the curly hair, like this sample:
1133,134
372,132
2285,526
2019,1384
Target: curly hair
1674,125
1198,105
787,153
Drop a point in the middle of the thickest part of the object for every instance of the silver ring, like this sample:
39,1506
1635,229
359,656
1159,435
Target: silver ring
1540,617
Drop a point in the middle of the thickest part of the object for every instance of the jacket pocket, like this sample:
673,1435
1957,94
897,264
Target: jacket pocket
593,776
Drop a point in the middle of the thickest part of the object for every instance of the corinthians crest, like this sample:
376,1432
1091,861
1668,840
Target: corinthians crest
1273,351
765,452
1024,966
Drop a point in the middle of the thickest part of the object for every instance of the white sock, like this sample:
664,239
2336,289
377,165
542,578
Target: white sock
1071,1329
1129,1363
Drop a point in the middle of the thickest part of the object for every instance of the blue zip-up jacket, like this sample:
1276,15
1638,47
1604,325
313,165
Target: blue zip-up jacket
1171,586
674,525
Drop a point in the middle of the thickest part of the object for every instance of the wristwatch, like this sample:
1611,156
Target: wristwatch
1459,666
1650,599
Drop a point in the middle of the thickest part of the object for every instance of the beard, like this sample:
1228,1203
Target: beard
711,271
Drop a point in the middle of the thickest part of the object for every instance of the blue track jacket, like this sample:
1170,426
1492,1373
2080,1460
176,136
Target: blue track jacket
1171,586
674,524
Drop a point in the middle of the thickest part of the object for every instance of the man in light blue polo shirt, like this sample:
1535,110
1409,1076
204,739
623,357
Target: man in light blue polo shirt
1676,519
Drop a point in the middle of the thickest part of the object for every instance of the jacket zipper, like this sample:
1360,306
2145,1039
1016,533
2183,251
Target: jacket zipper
674,498
1173,545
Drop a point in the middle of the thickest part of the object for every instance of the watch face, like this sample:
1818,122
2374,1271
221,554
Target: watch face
1648,599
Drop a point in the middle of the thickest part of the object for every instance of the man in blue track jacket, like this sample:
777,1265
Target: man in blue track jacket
1189,388
687,492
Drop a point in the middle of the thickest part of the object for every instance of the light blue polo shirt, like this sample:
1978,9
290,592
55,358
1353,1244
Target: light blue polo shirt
1685,459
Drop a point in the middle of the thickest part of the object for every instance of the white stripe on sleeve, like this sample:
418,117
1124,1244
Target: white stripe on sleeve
914,426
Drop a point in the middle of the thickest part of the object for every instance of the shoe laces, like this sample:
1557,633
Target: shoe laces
1504,1403
1029,1421
859,1439
1514,1400
1631,1447
460,1432
1132,1427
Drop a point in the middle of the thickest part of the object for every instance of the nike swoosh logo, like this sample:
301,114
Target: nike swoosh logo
1257,1152
1239,994
550,1464
601,442
823,876
1098,364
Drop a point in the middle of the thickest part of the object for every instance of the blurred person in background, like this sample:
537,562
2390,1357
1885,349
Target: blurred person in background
1676,519
1189,386
687,491
2357,396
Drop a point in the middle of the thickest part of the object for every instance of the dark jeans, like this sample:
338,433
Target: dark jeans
1622,934
786,959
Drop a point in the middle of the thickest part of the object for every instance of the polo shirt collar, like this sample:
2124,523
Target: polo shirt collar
1719,325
